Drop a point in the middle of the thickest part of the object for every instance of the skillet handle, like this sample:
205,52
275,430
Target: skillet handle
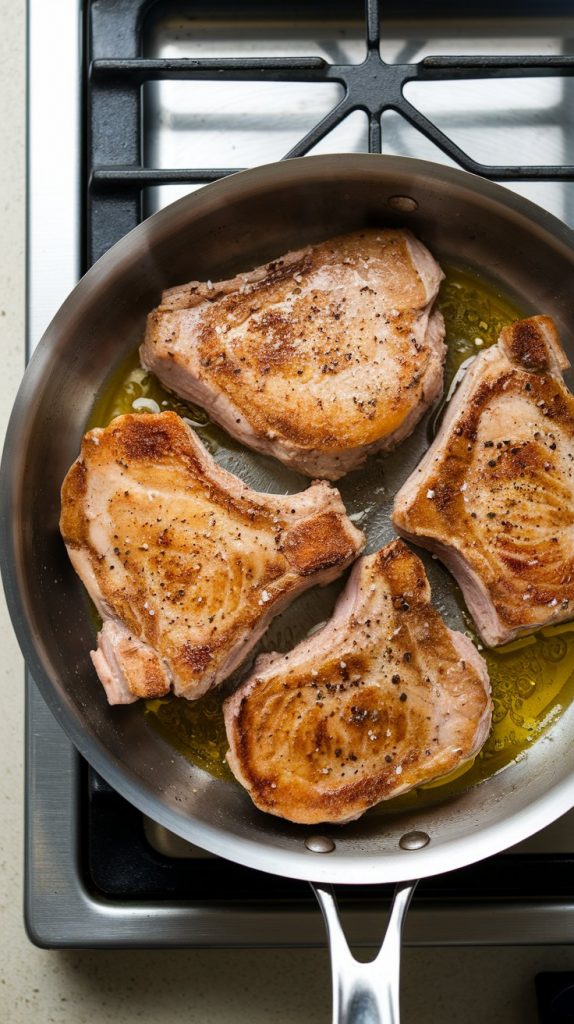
365,993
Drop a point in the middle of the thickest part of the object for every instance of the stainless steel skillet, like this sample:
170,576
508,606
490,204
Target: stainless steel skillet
234,224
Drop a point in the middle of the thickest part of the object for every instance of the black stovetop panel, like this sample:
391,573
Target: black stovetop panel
118,862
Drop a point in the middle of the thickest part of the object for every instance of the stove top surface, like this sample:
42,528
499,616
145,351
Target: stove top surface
99,874
159,126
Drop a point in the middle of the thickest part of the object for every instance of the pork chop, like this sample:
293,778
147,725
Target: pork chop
318,358
186,564
494,495
384,698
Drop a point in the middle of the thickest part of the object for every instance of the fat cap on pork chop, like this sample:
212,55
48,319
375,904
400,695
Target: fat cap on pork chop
494,494
319,358
185,563
384,698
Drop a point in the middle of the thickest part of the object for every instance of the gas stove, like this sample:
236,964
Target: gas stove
154,100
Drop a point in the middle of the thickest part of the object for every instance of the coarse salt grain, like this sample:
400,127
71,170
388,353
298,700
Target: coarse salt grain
478,342
265,597
464,486
342,664
430,494
399,769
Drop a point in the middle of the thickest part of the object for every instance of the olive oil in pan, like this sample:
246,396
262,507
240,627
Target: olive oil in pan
532,682
132,389
532,678
474,314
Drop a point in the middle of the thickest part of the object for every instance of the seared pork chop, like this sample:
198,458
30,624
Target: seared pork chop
318,358
382,699
494,495
186,564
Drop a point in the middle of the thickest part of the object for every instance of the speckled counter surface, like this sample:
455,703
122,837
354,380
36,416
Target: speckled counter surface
462,986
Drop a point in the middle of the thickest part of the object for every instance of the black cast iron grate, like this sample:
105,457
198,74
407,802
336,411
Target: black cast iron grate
117,72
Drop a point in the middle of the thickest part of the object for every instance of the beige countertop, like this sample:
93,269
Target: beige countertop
466,986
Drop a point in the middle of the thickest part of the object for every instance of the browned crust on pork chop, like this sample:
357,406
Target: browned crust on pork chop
383,699
493,496
317,358
186,564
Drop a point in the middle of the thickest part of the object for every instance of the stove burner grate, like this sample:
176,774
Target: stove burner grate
117,176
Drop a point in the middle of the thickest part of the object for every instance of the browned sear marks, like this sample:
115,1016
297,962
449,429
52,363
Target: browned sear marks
186,564
494,495
383,699
319,357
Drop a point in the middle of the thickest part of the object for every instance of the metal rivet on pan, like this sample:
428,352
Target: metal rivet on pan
406,204
319,844
414,840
